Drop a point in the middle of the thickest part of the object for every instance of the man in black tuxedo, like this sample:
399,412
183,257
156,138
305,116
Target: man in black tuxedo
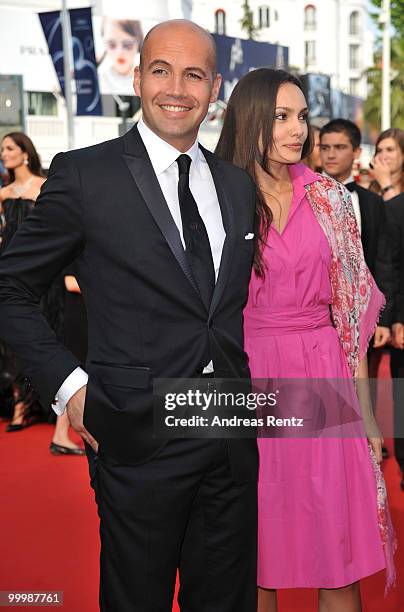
160,230
340,142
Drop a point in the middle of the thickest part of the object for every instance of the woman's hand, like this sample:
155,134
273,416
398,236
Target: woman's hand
369,422
381,337
398,336
380,172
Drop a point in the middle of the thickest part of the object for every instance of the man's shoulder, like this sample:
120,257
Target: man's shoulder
234,173
96,151
370,197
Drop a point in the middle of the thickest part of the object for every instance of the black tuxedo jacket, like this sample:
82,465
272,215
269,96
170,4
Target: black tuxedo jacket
376,245
103,207
395,214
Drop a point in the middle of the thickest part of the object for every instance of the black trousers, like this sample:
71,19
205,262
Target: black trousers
397,374
182,510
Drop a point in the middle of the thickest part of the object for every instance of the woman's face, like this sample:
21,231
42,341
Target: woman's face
11,154
290,125
121,47
389,151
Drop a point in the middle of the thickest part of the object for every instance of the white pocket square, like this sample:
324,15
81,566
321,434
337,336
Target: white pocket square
248,236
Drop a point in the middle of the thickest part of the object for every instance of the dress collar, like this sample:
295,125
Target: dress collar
302,175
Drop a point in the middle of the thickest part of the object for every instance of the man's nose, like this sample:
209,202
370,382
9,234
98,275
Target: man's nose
176,86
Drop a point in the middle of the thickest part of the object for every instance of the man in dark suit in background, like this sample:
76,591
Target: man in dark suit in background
340,142
161,232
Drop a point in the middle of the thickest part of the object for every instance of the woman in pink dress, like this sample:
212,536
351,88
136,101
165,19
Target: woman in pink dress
312,308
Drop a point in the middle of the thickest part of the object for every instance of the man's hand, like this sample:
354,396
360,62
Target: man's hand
382,336
75,411
398,336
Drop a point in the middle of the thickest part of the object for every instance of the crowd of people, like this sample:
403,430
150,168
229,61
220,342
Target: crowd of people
324,299
24,179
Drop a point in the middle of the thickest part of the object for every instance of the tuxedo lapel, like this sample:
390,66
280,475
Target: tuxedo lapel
229,227
139,165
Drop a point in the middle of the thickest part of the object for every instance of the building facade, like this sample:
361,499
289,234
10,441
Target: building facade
325,36
331,37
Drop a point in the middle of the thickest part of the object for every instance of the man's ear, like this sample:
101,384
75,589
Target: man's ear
357,152
217,81
136,81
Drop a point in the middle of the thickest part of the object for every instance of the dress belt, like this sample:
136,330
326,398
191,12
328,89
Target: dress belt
269,322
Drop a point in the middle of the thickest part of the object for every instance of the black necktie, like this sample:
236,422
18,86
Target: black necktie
197,246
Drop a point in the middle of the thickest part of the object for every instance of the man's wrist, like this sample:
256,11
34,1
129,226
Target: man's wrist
75,381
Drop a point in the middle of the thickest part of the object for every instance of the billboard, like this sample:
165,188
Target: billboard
236,57
117,37
317,88
11,104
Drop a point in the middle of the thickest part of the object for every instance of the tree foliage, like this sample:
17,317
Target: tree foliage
247,21
397,14
372,107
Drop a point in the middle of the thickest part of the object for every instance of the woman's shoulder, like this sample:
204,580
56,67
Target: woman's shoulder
5,193
331,188
38,181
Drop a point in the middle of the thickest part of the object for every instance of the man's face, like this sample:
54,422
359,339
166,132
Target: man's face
337,155
176,83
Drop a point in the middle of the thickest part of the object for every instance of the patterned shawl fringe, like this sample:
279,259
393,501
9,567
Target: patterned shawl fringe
355,309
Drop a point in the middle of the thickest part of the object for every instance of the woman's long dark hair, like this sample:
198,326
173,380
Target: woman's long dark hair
27,146
247,137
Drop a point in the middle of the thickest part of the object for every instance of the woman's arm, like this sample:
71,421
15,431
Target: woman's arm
371,428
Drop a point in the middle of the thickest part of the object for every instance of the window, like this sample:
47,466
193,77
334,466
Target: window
354,25
354,87
354,57
309,52
310,17
264,17
220,21
41,103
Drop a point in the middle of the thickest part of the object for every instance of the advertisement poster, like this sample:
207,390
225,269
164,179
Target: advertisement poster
236,57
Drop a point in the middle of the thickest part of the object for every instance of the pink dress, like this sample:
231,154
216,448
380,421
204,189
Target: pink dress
318,521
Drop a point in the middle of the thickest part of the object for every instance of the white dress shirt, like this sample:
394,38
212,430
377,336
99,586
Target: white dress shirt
163,159
355,203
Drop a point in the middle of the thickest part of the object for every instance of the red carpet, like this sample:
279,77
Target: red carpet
49,538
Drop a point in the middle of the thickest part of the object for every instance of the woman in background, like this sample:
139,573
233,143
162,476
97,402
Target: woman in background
17,199
387,165
313,159
323,518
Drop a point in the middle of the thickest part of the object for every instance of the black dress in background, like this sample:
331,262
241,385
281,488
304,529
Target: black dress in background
75,321
15,210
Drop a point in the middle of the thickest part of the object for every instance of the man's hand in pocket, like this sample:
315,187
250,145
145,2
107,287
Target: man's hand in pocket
75,411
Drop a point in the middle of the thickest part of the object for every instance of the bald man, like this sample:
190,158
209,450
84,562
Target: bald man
160,230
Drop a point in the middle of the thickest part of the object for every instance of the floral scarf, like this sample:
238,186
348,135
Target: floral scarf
355,308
